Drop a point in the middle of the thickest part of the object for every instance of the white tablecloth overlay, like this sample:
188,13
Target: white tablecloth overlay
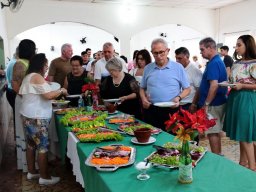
74,158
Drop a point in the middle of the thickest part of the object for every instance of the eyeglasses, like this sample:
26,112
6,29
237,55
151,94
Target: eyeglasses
161,53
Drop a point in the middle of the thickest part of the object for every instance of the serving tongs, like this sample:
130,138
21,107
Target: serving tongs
116,148
163,148
106,129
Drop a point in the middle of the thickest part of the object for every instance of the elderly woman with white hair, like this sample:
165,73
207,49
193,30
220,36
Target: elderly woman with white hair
121,85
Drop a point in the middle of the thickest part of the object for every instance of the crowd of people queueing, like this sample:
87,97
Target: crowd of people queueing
138,87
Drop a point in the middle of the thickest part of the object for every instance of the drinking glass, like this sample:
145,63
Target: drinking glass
142,167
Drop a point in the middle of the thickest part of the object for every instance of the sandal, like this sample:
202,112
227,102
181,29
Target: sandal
244,163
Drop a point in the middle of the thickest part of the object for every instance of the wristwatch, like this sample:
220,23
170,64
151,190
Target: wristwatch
206,103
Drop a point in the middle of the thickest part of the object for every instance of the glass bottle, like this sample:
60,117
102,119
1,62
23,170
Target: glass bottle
89,102
185,164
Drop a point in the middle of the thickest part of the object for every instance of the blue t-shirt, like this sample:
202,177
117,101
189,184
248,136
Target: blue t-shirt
163,84
215,70
9,71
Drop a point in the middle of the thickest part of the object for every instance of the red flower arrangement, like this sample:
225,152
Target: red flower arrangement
90,86
187,125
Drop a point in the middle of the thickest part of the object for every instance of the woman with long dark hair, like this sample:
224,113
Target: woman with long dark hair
36,112
142,59
240,120
26,49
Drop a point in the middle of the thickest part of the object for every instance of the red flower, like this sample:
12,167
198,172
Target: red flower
183,123
90,87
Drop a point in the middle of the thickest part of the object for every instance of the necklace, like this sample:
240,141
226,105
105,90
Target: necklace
117,84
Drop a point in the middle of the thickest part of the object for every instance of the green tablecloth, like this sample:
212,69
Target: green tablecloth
213,173
62,132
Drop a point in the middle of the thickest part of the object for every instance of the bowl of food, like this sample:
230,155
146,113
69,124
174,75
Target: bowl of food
142,134
111,107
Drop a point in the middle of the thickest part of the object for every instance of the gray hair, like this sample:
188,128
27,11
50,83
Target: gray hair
114,64
159,40
208,42
107,45
65,46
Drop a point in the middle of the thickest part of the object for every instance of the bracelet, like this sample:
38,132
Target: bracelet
179,97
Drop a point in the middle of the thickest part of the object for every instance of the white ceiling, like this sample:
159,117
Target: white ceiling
193,4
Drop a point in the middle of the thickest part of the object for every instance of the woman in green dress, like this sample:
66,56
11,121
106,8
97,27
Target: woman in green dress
240,121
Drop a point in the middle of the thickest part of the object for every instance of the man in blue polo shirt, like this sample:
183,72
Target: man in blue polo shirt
211,96
162,81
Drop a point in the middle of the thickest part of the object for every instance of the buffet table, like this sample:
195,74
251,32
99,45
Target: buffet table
213,172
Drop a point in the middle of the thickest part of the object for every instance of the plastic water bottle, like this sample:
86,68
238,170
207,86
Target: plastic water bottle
89,102
80,102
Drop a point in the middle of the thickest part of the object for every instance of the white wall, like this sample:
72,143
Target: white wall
57,34
107,17
236,20
3,34
176,36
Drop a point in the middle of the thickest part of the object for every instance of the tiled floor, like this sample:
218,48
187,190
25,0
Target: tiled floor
12,180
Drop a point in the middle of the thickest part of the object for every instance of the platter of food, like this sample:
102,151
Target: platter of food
112,157
168,155
130,127
98,135
63,111
84,119
121,118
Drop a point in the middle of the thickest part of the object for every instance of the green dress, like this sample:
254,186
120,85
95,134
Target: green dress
240,119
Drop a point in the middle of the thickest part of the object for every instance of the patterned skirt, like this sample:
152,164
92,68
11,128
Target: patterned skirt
240,119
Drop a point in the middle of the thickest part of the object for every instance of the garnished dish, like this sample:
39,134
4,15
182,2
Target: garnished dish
123,118
84,118
168,155
98,135
130,127
110,158
64,111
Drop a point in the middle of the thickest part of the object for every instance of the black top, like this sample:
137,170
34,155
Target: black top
110,91
75,84
228,61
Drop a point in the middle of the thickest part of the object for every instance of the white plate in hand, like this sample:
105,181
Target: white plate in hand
73,96
60,102
54,86
111,100
226,84
165,104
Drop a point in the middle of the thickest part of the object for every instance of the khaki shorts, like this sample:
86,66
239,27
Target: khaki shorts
217,112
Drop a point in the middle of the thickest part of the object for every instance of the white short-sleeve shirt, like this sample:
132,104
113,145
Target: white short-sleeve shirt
101,71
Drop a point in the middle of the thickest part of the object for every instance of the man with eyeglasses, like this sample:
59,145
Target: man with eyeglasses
163,81
211,96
